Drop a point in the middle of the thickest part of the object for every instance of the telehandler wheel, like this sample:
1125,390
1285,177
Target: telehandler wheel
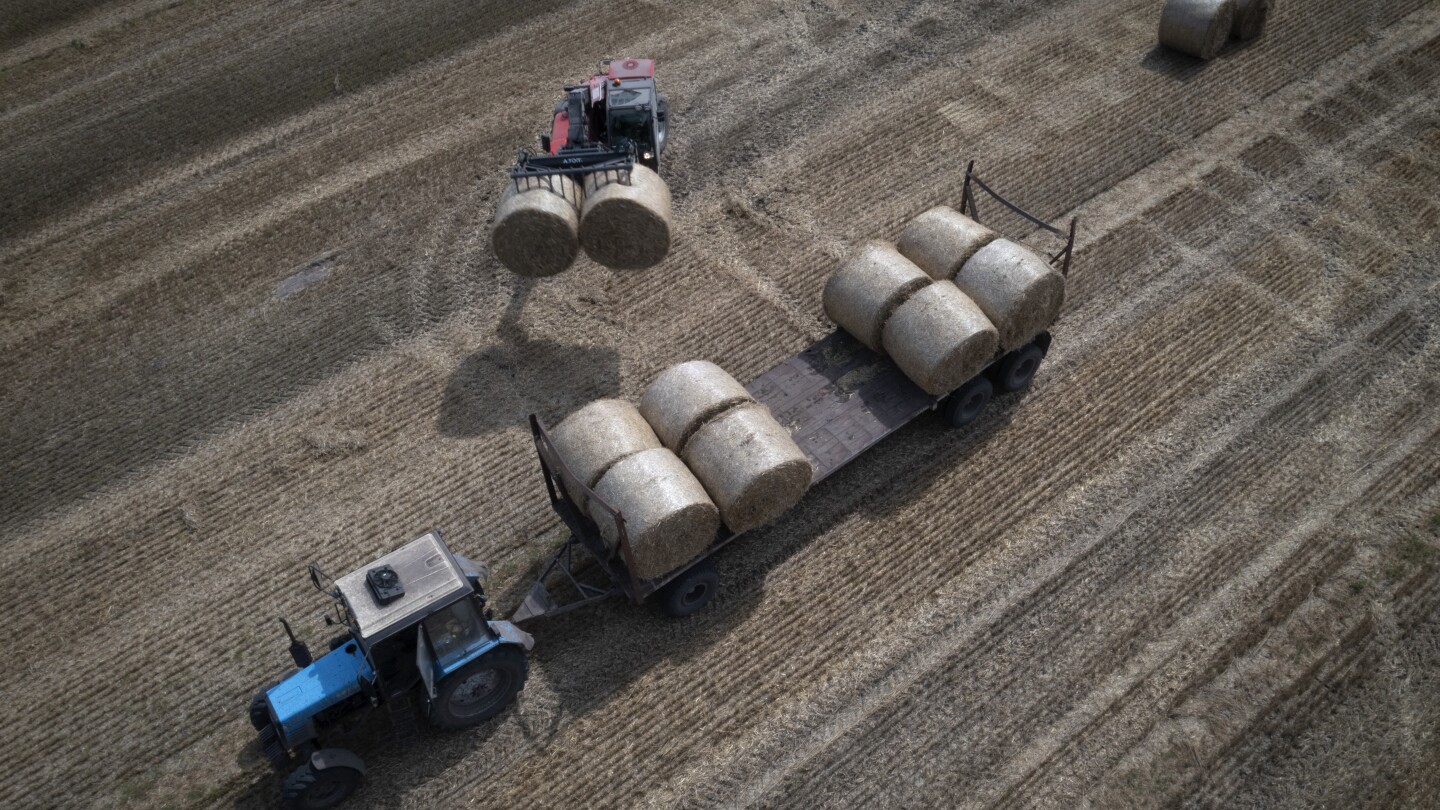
691,591
1018,368
311,788
969,401
479,690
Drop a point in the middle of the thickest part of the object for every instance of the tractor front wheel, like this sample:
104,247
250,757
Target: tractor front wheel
311,788
480,690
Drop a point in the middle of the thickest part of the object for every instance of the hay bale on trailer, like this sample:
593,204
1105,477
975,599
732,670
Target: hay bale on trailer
536,229
940,338
592,439
686,396
862,294
668,517
1197,27
626,226
941,240
1250,18
1017,290
749,465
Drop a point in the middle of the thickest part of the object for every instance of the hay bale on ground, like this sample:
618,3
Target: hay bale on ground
1196,27
592,439
940,338
862,294
941,240
1250,18
536,230
626,227
686,396
1017,290
668,517
750,466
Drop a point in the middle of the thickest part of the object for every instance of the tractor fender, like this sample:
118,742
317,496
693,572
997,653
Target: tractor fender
511,634
336,758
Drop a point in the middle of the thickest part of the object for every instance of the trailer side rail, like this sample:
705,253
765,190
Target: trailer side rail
970,209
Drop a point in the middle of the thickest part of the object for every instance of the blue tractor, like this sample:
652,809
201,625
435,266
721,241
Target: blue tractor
416,622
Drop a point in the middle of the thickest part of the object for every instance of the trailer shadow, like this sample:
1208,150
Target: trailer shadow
586,658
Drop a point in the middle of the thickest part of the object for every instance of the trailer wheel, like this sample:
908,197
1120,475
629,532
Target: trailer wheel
1018,368
310,788
479,690
691,591
969,401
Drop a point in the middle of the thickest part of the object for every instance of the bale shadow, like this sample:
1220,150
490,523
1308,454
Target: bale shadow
1184,67
521,375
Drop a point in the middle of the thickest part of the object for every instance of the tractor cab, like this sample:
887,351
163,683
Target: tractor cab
415,617
617,112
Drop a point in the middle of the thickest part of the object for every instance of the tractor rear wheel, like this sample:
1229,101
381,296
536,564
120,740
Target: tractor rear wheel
480,690
309,788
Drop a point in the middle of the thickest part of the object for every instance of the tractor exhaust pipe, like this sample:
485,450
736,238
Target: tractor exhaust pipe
298,651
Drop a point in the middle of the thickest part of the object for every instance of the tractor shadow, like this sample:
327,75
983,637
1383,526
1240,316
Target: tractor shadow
520,375
585,659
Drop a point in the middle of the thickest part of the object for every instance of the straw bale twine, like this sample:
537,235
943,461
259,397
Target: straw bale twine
1196,27
1017,290
861,295
626,227
940,338
941,240
686,396
750,466
1250,18
536,230
668,517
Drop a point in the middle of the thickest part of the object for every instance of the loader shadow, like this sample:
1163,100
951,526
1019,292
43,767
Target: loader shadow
494,388
586,658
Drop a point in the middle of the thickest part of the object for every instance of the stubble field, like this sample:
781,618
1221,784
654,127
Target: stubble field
249,318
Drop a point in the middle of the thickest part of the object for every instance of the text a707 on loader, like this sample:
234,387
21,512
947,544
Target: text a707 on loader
415,617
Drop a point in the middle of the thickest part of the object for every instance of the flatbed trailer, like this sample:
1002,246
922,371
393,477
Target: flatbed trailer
837,397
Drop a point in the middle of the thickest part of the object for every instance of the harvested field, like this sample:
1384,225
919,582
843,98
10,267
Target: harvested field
250,318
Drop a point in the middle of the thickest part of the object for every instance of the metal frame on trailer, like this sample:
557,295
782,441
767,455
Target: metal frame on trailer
968,207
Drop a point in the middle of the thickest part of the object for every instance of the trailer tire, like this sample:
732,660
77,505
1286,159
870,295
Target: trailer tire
479,690
1018,368
969,401
691,591
308,788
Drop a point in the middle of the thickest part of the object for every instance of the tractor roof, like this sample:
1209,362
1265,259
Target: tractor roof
429,573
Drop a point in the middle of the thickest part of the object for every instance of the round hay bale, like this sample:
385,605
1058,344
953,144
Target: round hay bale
668,517
1250,18
592,439
686,396
750,466
860,296
941,240
1196,27
536,230
1017,290
940,338
626,227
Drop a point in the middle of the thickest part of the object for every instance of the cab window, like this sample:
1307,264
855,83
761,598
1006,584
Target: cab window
454,630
